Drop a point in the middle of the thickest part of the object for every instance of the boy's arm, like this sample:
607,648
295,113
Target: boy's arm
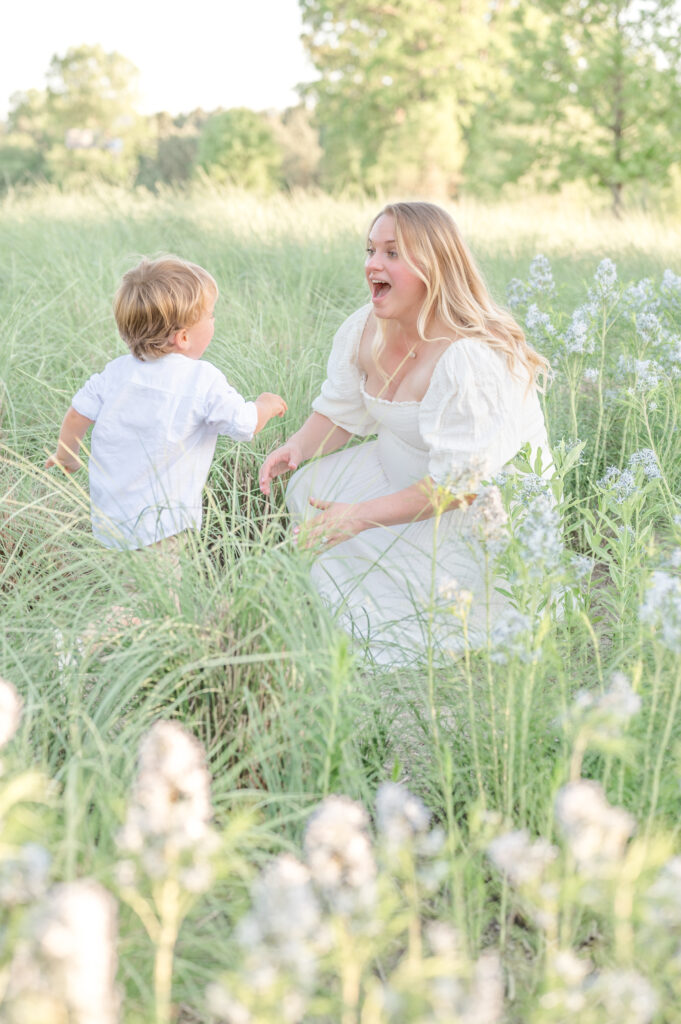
73,430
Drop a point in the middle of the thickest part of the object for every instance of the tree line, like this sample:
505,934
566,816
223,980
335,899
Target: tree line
429,98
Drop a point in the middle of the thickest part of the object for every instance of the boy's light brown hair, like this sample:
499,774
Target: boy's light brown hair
156,299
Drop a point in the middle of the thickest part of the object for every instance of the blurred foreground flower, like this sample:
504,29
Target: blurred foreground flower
596,832
661,609
339,855
168,825
63,970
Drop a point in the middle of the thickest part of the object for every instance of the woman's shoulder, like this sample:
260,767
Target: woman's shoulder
467,361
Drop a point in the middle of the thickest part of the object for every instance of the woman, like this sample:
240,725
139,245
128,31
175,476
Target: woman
444,378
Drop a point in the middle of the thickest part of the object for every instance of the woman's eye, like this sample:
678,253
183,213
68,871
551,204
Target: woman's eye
392,252
370,251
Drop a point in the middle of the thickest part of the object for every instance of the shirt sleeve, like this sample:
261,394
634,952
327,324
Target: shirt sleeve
89,399
472,413
341,399
227,412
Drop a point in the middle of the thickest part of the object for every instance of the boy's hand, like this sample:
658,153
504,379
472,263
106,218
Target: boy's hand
268,405
67,462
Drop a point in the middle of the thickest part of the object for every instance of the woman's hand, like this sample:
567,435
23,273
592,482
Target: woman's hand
337,521
288,456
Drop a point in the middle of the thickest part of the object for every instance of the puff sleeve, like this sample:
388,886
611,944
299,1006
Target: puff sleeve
474,409
341,399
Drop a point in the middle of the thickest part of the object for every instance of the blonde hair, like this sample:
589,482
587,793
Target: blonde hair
430,243
156,299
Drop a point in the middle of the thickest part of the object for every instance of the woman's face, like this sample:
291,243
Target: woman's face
396,291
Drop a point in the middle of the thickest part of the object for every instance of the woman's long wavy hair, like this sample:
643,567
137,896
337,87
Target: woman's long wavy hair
429,241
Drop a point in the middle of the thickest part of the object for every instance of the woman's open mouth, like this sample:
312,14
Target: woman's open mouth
379,288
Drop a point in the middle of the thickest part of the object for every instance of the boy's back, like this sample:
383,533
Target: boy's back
156,425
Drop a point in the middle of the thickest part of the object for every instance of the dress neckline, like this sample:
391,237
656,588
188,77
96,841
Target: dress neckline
384,401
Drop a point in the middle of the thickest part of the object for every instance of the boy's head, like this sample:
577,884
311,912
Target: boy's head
158,298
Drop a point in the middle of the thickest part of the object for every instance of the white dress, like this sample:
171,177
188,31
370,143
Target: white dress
389,585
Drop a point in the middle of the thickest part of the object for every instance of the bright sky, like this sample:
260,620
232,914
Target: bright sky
190,53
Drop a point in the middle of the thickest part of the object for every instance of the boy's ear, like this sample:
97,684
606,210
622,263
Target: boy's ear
180,340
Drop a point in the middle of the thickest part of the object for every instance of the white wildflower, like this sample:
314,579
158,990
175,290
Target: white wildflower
619,483
647,372
591,375
537,324
541,275
596,832
582,566
663,899
625,996
23,875
225,1007
579,337
11,706
539,537
511,637
523,861
661,609
400,816
640,298
647,460
339,855
283,927
168,821
65,969
605,278
517,293
648,328
459,477
490,515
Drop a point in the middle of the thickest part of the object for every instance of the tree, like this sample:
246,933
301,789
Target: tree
398,82
238,146
85,123
602,78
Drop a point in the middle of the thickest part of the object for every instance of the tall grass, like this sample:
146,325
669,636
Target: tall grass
255,666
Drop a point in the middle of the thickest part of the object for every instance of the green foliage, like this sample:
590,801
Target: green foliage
597,87
397,84
238,147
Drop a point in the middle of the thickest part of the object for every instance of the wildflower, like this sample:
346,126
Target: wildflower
540,538
339,856
541,275
648,328
625,996
582,566
458,600
11,706
648,372
530,486
640,298
400,816
537,324
605,714
65,968
619,483
523,861
647,459
225,1007
605,278
284,924
591,375
511,638
579,337
596,832
23,875
517,293
66,657
168,821
661,609
489,513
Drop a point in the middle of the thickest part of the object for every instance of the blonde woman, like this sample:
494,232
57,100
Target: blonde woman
444,379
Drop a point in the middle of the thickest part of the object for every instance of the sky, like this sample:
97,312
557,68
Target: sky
190,53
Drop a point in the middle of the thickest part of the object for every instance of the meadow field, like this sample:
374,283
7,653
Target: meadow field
492,839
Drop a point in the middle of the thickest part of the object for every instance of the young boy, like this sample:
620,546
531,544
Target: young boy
158,411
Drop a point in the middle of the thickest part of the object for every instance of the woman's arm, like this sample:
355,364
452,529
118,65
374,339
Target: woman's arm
337,521
73,430
317,436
